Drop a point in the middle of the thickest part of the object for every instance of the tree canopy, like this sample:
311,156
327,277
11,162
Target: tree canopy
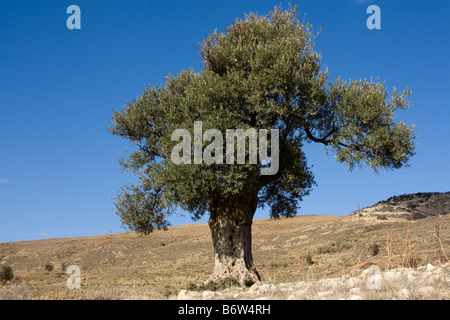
261,72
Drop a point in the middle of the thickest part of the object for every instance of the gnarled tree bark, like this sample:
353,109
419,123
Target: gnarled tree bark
231,223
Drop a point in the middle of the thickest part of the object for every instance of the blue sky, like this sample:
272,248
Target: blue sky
58,87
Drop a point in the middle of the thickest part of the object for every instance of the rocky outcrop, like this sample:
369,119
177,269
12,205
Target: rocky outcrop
409,206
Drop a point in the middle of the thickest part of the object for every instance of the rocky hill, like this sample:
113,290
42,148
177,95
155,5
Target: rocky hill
409,206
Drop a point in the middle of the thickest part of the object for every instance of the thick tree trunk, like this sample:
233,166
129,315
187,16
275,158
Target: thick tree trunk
231,230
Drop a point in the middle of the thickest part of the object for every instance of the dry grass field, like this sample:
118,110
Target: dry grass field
158,266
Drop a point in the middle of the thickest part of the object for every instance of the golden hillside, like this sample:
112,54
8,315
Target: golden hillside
157,266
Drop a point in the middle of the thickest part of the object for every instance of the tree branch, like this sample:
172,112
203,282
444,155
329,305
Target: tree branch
312,138
265,180
152,153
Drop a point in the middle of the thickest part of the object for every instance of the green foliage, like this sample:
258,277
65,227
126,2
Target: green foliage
262,72
218,285
6,274
139,208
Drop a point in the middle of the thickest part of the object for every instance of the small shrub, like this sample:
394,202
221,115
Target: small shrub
374,249
222,284
192,286
215,286
168,293
49,267
412,262
228,283
411,206
6,274
309,259
382,217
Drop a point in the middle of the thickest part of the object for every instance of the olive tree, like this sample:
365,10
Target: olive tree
260,73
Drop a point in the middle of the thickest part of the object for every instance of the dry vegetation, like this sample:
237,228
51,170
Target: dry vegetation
158,266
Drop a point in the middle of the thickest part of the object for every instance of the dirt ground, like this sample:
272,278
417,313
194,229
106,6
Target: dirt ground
158,266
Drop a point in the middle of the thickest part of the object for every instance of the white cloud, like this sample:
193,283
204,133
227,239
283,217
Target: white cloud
3,180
